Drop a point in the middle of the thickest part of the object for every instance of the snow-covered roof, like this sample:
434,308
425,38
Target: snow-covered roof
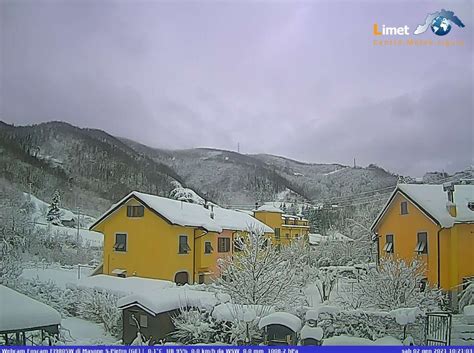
432,200
239,312
281,318
312,332
315,239
160,301
268,208
176,212
236,220
123,286
20,312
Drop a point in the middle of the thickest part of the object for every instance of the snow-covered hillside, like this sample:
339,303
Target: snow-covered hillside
38,210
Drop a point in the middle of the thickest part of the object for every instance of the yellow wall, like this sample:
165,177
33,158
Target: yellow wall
457,250
456,244
288,232
153,246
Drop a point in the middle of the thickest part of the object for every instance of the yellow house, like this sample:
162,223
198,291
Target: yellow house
155,237
433,224
286,227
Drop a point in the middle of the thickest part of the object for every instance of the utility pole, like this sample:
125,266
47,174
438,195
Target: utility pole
238,147
78,236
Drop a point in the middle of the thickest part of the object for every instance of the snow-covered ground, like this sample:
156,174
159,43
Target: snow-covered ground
76,331
60,275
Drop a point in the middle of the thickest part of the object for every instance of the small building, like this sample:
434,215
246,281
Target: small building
151,313
280,328
286,227
22,318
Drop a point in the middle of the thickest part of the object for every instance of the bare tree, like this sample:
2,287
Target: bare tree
258,274
396,284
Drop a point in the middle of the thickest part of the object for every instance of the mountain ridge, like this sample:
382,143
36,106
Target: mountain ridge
97,165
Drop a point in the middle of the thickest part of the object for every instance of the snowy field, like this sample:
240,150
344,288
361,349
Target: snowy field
60,275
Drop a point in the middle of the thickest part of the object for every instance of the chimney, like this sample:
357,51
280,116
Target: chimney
450,205
212,211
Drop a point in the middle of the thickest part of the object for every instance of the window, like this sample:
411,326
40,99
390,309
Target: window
223,244
120,242
208,247
422,243
277,233
135,211
183,244
404,207
388,244
143,321
287,235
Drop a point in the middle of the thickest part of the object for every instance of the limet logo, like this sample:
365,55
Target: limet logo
440,23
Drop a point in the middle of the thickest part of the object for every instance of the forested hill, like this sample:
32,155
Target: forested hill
92,169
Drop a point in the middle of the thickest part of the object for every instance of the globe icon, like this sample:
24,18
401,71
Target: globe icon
440,26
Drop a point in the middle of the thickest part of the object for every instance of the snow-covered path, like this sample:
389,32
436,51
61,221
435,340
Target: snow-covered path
77,331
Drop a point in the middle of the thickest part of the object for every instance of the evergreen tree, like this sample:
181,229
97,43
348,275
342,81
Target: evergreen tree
54,212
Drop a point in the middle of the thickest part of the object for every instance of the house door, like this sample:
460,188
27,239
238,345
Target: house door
438,329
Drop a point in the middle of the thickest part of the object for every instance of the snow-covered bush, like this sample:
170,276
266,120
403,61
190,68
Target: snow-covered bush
195,326
395,284
466,297
181,193
369,325
258,274
15,228
10,264
241,332
54,245
336,253
100,306
63,300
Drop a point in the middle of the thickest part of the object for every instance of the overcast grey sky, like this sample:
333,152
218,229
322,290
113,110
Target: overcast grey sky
298,79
